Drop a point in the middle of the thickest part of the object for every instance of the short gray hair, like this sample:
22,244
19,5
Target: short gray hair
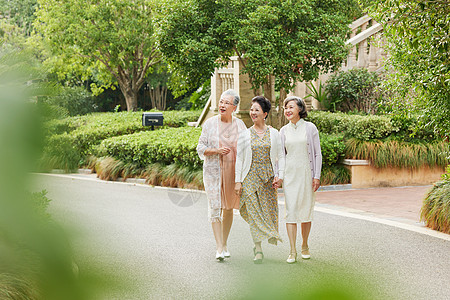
300,103
232,93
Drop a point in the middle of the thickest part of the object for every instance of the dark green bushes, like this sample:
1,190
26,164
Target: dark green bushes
70,141
167,146
352,90
333,150
353,126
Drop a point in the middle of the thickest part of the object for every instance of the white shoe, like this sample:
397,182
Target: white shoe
292,258
226,254
305,253
220,256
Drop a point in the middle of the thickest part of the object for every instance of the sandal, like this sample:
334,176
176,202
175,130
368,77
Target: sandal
305,253
292,258
258,260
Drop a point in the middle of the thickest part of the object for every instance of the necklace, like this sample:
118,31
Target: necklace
259,132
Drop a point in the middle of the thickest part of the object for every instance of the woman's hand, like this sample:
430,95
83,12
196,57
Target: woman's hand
316,184
223,150
277,183
238,188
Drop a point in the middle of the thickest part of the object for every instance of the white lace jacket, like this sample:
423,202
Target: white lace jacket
211,165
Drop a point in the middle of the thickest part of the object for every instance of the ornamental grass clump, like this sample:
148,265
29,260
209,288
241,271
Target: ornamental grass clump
108,168
436,205
383,154
336,174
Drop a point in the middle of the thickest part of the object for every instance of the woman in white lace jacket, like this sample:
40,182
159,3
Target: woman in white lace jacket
217,147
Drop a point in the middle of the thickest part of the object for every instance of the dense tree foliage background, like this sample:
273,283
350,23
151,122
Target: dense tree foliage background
417,39
293,40
114,39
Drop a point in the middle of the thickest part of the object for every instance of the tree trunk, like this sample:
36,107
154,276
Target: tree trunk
269,93
281,117
130,98
158,96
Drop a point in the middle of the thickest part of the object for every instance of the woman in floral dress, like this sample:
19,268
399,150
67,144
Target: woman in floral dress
259,172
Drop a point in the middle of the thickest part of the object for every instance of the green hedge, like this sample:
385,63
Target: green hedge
332,147
120,121
71,140
178,145
365,127
167,146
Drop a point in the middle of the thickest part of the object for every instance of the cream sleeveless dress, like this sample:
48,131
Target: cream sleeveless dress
297,185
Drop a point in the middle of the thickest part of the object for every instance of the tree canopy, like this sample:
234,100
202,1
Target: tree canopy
293,40
20,12
114,38
417,39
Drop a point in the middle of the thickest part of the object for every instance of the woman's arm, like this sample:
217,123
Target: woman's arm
281,160
203,147
240,157
317,154
317,158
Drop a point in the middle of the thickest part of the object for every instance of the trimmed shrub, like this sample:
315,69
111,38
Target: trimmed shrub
167,146
119,122
353,126
71,140
436,205
333,149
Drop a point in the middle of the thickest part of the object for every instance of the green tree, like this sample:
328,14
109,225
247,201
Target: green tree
19,12
110,39
293,40
417,39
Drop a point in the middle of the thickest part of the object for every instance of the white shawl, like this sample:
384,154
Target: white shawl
211,164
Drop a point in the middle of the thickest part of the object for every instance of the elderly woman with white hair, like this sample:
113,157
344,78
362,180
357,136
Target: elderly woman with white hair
217,147
301,143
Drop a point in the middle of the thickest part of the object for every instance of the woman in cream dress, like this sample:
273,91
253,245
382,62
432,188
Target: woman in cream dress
300,140
217,147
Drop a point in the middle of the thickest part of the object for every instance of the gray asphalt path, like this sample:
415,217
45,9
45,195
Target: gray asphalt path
161,242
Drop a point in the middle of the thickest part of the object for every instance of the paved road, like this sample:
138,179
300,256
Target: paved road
161,241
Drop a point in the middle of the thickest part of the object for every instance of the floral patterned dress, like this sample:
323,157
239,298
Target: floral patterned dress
259,204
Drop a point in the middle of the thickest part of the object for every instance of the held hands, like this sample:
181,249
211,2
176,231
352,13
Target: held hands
316,184
277,183
238,188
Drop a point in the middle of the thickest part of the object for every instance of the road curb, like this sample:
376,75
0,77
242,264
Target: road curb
334,210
